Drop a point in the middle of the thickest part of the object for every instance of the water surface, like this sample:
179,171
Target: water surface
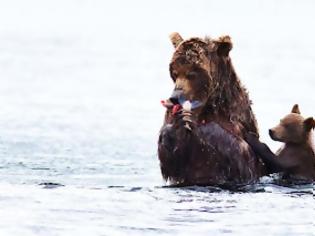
80,85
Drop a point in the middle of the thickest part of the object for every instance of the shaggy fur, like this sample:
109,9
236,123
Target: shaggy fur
296,159
213,152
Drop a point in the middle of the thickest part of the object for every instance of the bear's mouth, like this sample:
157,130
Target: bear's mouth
168,104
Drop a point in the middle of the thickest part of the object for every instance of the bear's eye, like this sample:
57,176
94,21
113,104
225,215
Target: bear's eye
192,75
287,126
174,74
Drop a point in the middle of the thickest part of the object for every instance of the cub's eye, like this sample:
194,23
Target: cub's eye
192,75
287,126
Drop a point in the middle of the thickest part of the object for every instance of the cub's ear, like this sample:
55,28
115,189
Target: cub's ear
224,45
176,39
309,123
296,109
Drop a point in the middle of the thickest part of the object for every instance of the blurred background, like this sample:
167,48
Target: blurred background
80,89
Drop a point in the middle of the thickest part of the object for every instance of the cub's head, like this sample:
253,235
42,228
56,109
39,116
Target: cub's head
195,67
293,128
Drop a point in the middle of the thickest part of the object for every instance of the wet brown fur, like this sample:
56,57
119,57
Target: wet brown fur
226,98
214,152
296,159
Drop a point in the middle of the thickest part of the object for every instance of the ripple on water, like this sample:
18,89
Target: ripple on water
158,210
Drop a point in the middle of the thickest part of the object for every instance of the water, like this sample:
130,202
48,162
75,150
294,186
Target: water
80,88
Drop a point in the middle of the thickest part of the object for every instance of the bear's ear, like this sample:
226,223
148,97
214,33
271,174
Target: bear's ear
224,45
309,123
296,109
176,39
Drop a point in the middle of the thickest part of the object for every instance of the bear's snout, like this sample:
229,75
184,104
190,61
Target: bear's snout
176,96
271,133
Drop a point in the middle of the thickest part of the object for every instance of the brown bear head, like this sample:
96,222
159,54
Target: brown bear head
197,68
293,128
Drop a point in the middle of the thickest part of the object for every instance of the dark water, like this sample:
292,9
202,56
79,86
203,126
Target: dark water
80,85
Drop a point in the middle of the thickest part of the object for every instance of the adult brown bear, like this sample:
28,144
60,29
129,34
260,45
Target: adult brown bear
201,141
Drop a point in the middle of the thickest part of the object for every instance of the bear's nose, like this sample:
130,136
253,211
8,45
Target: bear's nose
271,133
176,95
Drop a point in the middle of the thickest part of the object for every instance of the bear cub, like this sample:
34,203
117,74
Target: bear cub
296,159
